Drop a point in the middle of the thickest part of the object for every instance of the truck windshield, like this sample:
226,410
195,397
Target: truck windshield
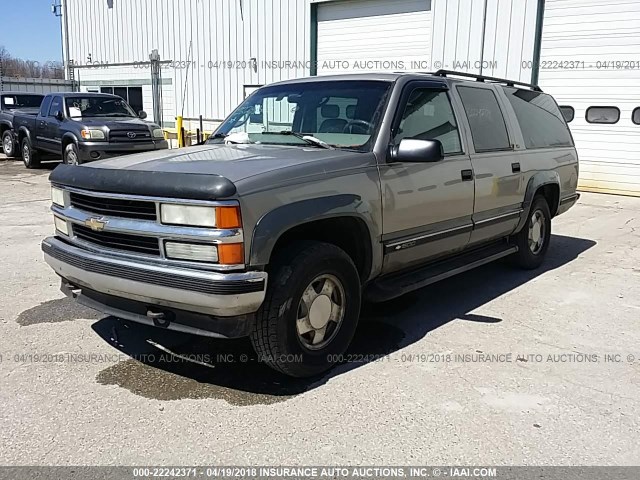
12,102
343,114
87,107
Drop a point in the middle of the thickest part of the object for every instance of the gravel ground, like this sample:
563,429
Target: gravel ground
495,367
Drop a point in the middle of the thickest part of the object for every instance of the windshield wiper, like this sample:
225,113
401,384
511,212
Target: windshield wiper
310,139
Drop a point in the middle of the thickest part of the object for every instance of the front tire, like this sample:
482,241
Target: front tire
70,156
534,238
310,312
29,155
9,147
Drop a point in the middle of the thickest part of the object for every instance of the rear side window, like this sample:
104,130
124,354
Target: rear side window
635,116
44,108
609,115
488,128
568,113
428,115
541,121
56,106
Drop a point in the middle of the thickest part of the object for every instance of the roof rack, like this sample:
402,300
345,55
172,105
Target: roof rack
483,78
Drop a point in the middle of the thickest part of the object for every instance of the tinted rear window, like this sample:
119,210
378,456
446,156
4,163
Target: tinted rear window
541,121
488,128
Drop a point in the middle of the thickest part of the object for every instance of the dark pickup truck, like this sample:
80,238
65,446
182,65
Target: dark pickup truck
83,127
12,103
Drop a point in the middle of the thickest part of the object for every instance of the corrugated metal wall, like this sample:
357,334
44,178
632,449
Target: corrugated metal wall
220,46
36,85
502,46
211,43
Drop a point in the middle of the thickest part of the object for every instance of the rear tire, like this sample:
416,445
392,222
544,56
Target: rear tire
29,155
70,156
9,147
310,312
534,238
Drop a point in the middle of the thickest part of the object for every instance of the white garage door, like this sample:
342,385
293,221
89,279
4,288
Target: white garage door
374,35
589,58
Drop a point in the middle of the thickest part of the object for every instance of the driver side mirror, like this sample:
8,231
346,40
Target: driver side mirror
58,115
142,114
414,151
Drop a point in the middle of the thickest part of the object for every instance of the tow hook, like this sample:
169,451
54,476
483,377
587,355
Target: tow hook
159,318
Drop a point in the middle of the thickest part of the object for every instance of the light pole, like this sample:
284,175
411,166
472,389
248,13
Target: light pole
59,9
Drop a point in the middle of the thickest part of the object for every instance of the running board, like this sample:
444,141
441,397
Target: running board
396,285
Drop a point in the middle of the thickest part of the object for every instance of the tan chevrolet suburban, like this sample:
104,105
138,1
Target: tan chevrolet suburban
313,195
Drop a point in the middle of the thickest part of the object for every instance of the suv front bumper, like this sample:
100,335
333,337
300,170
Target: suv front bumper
157,289
90,151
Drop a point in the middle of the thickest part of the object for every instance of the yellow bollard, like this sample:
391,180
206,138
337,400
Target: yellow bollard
179,129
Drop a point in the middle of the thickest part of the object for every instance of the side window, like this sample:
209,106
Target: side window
44,108
608,115
541,122
568,113
428,115
635,116
488,128
56,105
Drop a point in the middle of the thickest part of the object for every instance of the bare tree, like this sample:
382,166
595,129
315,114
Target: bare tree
16,67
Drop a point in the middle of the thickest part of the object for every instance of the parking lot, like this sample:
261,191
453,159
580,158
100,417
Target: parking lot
496,366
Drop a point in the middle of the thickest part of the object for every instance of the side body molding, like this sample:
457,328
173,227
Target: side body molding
549,177
272,225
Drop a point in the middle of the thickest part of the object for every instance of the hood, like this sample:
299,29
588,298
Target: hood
234,162
113,123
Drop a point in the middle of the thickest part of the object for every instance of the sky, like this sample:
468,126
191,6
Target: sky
29,30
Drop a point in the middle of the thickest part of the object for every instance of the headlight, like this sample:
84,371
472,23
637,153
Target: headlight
61,225
57,196
158,133
191,215
191,251
92,134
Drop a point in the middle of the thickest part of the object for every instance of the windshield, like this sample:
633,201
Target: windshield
88,107
342,114
11,102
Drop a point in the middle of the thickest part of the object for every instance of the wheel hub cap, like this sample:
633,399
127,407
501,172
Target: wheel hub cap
320,312
8,144
536,232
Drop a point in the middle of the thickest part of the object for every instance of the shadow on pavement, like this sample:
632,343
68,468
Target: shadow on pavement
170,366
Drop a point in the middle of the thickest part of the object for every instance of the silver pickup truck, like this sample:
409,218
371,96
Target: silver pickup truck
314,195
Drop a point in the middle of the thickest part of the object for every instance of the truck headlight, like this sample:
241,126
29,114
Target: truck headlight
191,215
191,251
61,225
57,196
158,133
92,134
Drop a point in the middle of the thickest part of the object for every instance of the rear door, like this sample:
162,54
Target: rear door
51,139
499,186
427,207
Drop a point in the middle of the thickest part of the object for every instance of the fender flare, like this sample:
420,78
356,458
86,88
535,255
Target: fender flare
66,136
271,226
539,179
24,132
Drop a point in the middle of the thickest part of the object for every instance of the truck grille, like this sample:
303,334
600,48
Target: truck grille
118,241
114,206
130,135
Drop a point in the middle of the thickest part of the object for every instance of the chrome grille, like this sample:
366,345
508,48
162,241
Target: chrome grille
130,135
118,241
115,207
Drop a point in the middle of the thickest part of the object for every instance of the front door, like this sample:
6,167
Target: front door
427,207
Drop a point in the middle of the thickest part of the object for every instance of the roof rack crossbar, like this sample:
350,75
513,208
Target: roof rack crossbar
483,78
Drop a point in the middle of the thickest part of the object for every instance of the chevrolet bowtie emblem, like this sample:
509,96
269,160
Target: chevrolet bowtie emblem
96,224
